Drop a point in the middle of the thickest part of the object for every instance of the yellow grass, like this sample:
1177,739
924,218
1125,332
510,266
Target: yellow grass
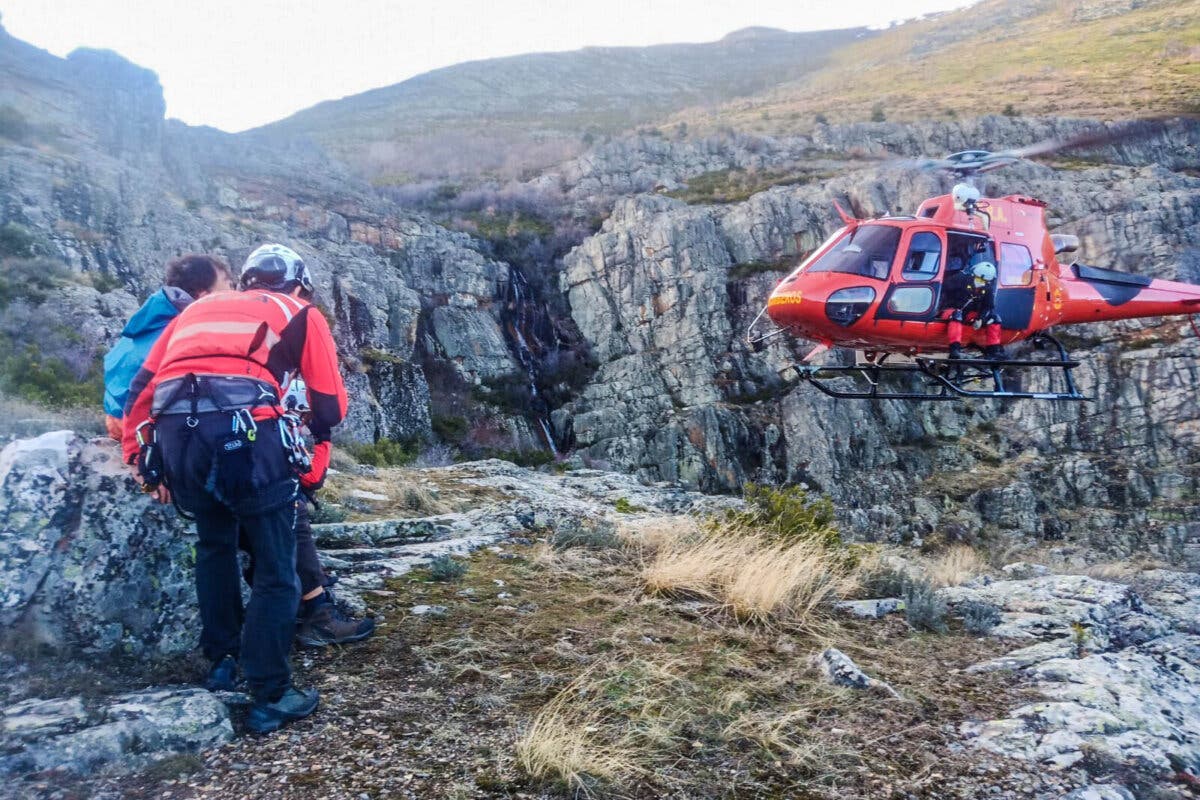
785,733
754,577
569,740
955,566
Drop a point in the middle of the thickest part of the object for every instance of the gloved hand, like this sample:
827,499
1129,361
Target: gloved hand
315,477
977,324
957,316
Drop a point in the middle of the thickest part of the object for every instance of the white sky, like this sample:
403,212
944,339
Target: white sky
236,64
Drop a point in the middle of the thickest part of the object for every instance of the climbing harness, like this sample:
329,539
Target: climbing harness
293,442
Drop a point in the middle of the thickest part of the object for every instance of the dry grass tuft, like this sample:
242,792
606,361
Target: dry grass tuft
955,566
787,734
21,419
577,740
755,577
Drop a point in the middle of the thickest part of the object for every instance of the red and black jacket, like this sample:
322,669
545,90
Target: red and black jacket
258,334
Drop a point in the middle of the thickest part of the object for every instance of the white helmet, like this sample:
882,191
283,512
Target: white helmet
984,272
273,266
296,396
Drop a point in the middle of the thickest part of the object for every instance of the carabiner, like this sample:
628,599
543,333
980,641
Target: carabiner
141,440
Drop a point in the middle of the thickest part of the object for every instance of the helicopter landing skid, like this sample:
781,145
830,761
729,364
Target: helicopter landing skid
943,379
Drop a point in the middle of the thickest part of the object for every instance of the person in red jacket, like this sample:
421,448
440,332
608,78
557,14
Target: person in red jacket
212,385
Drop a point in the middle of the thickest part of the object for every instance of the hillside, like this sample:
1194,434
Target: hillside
507,115
1106,59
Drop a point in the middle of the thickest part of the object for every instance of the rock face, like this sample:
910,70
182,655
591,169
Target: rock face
87,563
130,730
1121,679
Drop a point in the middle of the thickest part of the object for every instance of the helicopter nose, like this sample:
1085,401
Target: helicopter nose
785,307
814,307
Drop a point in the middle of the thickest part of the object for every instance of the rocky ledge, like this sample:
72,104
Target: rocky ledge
1118,669
92,569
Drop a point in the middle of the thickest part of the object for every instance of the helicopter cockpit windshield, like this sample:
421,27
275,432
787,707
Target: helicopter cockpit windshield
865,250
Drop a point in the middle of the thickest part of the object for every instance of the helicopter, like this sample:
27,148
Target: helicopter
878,286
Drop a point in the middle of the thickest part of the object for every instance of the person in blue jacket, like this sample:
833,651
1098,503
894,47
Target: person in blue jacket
188,278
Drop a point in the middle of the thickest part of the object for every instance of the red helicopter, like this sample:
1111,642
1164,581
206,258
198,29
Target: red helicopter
879,286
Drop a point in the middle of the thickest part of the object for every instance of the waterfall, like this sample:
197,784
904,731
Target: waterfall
519,317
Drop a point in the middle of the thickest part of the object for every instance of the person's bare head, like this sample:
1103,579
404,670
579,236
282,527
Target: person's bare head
198,274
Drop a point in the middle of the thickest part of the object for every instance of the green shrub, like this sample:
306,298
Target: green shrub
385,453
885,581
104,283
821,119
449,427
1010,111
13,124
372,356
17,241
445,569
979,618
31,279
747,269
591,537
923,609
877,114
522,458
29,374
788,513
623,506
328,512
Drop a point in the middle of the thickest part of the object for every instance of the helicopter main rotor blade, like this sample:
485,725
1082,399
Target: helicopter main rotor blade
1121,132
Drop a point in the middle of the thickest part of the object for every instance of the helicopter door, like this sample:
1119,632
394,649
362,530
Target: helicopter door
1015,292
915,295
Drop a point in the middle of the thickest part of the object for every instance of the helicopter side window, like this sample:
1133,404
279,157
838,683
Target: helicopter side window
924,257
910,300
1016,265
868,250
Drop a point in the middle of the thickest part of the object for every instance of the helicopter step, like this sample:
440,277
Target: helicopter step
941,378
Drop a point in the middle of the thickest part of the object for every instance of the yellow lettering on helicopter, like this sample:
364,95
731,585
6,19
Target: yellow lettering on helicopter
784,299
997,213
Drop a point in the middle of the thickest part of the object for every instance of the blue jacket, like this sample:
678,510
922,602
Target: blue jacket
141,332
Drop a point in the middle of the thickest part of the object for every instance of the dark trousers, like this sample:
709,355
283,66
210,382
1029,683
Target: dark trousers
308,563
258,495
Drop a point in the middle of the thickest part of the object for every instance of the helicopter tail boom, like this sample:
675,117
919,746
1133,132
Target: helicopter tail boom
1093,294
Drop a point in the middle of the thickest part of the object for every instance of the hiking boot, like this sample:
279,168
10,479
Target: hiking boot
293,705
955,350
222,677
994,352
325,625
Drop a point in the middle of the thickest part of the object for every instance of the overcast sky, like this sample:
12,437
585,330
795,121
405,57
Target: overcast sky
236,64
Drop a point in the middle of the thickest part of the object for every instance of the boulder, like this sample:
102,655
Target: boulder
127,731
87,562
838,669
1120,677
